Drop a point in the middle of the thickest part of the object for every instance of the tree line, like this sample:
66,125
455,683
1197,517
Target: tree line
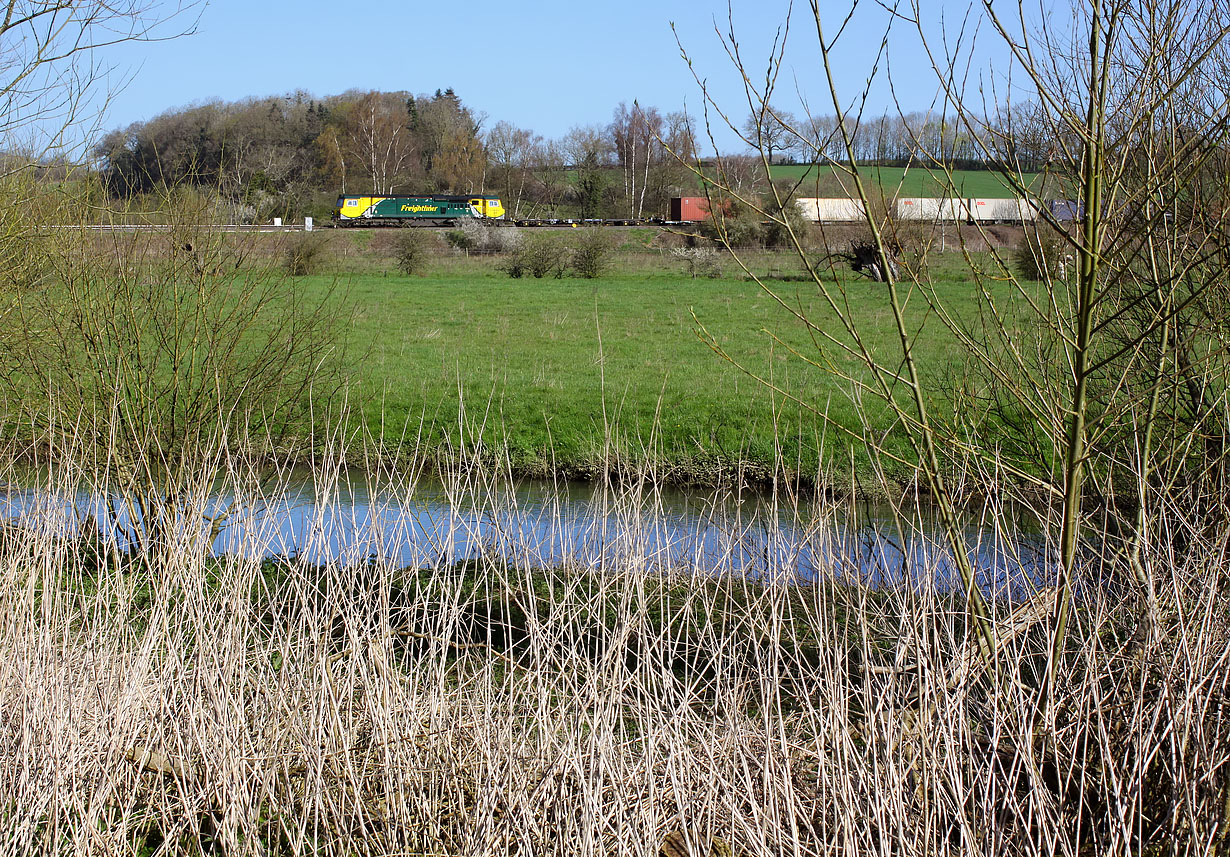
918,138
292,154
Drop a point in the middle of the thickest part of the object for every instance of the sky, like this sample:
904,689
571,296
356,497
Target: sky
546,65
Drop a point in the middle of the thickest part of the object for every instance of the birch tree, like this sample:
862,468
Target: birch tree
378,137
636,135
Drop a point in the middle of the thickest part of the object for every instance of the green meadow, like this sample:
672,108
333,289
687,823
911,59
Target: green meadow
644,365
825,181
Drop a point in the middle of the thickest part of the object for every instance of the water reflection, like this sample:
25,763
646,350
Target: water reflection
544,524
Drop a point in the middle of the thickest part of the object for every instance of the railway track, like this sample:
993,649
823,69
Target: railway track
563,223
163,227
243,227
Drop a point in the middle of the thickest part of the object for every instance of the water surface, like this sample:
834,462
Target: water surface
541,524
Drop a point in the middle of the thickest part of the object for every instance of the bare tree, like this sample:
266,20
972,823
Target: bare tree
741,176
588,150
635,137
511,154
818,135
770,129
551,161
48,74
49,70
378,137
672,175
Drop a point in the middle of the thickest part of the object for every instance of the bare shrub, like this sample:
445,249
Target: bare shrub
411,251
538,256
160,353
1042,254
590,254
305,254
1109,408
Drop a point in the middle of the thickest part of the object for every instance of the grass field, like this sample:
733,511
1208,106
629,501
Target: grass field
898,181
552,370
821,181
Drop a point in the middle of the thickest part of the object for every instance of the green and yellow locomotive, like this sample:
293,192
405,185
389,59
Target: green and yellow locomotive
414,210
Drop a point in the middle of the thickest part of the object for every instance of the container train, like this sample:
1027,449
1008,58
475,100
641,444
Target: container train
439,210
918,209
944,209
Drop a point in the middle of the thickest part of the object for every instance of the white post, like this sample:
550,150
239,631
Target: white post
277,221
307,224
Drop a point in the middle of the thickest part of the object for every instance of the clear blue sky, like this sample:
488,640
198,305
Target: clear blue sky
546,65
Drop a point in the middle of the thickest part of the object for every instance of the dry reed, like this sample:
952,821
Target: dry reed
178,703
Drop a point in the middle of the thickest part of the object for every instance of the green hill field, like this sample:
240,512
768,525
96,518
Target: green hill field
824,181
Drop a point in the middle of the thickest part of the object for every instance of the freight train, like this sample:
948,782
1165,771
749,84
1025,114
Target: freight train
441,210
415,210
694,209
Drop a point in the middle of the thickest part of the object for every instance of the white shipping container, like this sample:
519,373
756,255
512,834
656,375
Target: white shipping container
1009,210
831,210
1029,209
930,208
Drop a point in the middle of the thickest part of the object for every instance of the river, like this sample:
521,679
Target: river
427,522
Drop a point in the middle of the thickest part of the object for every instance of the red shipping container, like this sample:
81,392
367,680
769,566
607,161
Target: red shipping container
684,208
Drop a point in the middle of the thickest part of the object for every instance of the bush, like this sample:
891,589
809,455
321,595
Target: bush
502,239
591,253
1043,254
476,237
476,234
205,343
461,240
699,261
775,234
740,226
305,254
538,256
410,252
